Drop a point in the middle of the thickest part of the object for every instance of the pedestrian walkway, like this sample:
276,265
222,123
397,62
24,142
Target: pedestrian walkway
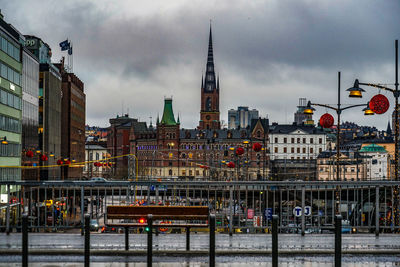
200,241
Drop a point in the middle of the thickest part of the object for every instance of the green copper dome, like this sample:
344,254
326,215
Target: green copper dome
373,148
168,115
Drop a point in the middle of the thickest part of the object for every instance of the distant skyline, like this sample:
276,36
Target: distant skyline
268,54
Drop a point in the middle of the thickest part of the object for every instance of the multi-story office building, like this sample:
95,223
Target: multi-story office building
241,117
30,113
49,107
73,122
10,102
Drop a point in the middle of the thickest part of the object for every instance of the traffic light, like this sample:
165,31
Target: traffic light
142,220
147,229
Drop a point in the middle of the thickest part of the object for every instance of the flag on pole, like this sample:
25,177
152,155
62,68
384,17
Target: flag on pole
65,45
70,50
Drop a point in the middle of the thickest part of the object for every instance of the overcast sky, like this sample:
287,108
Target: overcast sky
268,54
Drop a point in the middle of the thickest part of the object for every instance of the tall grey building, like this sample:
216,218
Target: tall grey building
241,117
30,111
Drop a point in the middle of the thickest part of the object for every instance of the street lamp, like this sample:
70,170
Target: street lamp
357,90
4,140
310,110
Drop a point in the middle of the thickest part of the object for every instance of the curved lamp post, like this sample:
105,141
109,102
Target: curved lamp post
355,91
310,110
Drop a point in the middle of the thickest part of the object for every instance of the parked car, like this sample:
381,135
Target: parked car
94,225
98,179
108,229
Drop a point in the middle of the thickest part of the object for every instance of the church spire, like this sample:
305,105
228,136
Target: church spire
210,57
388,129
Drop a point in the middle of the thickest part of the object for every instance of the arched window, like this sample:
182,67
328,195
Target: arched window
170,172
258,134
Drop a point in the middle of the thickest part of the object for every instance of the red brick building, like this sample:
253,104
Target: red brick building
73,117
169,151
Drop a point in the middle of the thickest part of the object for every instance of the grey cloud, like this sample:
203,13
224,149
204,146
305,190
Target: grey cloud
268,53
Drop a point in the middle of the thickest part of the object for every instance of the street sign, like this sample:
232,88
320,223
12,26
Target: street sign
307,211
257,221
268,214
250,214
297,211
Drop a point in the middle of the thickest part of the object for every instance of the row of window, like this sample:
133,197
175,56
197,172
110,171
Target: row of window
10,150
298,150
10,74
10,124
8,174
285,140
10,49
77,106
11,100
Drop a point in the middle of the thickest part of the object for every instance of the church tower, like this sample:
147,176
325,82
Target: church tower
209,110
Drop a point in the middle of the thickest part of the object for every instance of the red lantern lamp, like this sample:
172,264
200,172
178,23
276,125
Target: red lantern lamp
257,147
29,153
67,162
231,164
43,157
326,120
379,104
59,162
95,164
239,151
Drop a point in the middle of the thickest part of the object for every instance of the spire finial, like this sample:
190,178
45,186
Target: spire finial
210,47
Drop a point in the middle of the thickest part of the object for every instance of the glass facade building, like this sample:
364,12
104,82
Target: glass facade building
30,112
10,102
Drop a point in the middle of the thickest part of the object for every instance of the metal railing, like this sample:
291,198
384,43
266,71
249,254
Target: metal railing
303,207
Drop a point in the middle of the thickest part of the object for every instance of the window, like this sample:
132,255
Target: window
320,150
320,140
285,140
170,172
276,139
298,140
311,140
311,150
298,150
304,141
304,150
284,150
292,150
292,140
276,150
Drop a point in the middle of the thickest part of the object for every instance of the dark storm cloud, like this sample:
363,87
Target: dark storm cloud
268,53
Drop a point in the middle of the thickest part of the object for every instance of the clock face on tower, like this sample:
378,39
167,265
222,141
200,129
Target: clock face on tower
208,117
